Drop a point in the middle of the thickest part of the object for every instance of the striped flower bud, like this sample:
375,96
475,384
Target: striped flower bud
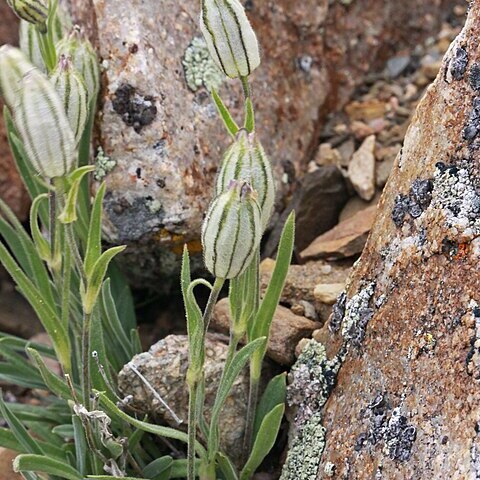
246,161
43,126
232,231
32,11
14,65
84,58
230,38
73,94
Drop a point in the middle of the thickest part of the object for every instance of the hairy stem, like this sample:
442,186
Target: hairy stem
251,411
86,381
246,87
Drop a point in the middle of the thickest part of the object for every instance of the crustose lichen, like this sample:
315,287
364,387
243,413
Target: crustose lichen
103,165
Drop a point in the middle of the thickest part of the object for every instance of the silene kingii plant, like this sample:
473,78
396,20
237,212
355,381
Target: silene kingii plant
84,428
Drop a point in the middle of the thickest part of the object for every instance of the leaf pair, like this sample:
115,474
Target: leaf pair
227,118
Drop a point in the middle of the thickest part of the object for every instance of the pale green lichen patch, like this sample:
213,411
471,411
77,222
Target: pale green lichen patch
200,69
153,205
312,379
103,165
304,454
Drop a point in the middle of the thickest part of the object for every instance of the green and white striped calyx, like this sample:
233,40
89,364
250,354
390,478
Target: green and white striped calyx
230,37
73,93
32,11
232,231
14,65
84,58
38,115
246,161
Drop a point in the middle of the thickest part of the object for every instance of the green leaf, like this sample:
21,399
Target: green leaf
69,213
81,447
157,467
19,345
275,394
94,243
8,440
109,477
226,383
267,435
227,467
260,327
64,431
96,276
21,434
249,116
54,383
42,244
51,322
113,411
225,115
41,464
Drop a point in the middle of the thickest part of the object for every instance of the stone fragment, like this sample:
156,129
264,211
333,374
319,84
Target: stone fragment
397,65
345,240
346,150
383,171
328,292
317,204
361,130
6,460
327,155
167,139
287,330
356,205
302,280
361,170
367,110
165,365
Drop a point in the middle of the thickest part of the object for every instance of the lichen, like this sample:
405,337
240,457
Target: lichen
413,204
303,457
153,205
455,193
199,67
458,64
329,469
103,165
390,427
357,315
312,379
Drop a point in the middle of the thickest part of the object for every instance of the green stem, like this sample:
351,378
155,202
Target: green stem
70,234
246,87
52,208
193,408
86,381
255,372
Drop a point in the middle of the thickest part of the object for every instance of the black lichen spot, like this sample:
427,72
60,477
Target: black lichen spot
161,183
449,247
413,204
459,63
399,437
138,172
357,335
474,77
136,110
338,313
473,125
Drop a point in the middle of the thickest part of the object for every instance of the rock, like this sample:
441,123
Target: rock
361,130
383,171
6,460
346,150
328,292
345,240
287,330
361,170
317,204
327,155
12,190
302,280
408,329
356,204
397,65
166,165
367,110
165,367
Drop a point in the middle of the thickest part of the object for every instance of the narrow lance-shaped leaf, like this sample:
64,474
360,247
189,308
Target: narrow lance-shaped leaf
94,244
42,244
225,115
267,435
41,464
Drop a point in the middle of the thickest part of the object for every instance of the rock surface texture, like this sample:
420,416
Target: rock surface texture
160,128
405,338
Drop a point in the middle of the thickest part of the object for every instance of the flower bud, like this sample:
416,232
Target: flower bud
246,161
84,58
230,37
32,11
14,65
232,231
43,126
73,94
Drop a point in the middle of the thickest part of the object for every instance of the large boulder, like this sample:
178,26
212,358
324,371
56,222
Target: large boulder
158,125
405,338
